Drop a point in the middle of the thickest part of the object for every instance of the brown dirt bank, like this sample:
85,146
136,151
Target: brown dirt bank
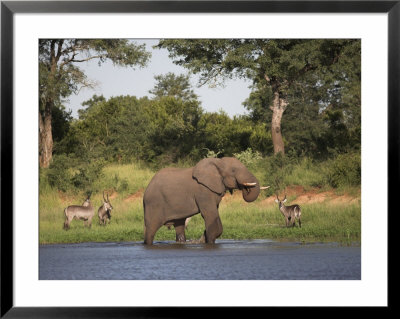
299,195
135,196
295,194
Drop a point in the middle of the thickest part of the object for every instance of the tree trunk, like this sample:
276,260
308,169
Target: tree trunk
278,107
45,137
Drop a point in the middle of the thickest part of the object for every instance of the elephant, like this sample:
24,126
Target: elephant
175,194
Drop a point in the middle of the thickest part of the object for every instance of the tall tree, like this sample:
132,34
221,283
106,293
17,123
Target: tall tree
279,68
177,86
59,75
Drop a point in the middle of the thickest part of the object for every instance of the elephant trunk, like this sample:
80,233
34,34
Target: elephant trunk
250,187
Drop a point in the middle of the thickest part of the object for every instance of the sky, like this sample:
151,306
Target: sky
115,81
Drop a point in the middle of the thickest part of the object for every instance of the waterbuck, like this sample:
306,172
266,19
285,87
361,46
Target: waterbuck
290,212
104,211
84,212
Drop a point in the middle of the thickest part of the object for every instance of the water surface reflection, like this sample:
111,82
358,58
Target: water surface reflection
226,260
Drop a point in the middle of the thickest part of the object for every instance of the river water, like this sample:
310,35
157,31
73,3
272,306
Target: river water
226,260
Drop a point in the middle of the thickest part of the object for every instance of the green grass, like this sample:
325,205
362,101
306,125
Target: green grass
320,222
258,220
309,175
125,179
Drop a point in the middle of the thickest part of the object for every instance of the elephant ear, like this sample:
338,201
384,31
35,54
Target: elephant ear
206,172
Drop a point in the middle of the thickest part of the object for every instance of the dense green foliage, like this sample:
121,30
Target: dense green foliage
319,79
321,126
169,131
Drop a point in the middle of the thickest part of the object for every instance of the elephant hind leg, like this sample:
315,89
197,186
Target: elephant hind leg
148,236
179,225
149,233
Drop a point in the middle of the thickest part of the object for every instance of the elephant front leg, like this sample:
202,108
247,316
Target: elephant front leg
213,229
180,230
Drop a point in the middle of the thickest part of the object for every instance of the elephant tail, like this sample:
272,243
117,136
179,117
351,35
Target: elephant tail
144,223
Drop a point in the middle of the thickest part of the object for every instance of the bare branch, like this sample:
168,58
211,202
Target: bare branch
68,60
89,58
87,84
212,76
72,59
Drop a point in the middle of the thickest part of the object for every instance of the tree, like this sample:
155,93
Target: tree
177,86
61,124
113,129
219,134
279,69
89,104
174,127
325,116
59,75
125,128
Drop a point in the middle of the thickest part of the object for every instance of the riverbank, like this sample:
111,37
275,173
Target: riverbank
326,216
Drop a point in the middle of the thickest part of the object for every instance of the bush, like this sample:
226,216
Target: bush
59,174
213,154
344,170
307,173
69,174
248,157
87,174
277,169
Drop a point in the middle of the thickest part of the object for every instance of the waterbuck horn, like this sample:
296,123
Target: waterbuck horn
104,197
107,199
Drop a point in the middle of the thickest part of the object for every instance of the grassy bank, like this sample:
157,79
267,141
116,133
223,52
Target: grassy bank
326,216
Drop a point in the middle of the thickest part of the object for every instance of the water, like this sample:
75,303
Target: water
226,260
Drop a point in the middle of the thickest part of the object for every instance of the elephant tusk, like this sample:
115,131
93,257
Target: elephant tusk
265,187
249,184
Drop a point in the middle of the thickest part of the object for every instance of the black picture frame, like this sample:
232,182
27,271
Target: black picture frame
9,8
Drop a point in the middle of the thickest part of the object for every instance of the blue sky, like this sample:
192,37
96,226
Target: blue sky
114,81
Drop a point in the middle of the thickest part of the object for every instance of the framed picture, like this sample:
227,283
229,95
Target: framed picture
24,293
